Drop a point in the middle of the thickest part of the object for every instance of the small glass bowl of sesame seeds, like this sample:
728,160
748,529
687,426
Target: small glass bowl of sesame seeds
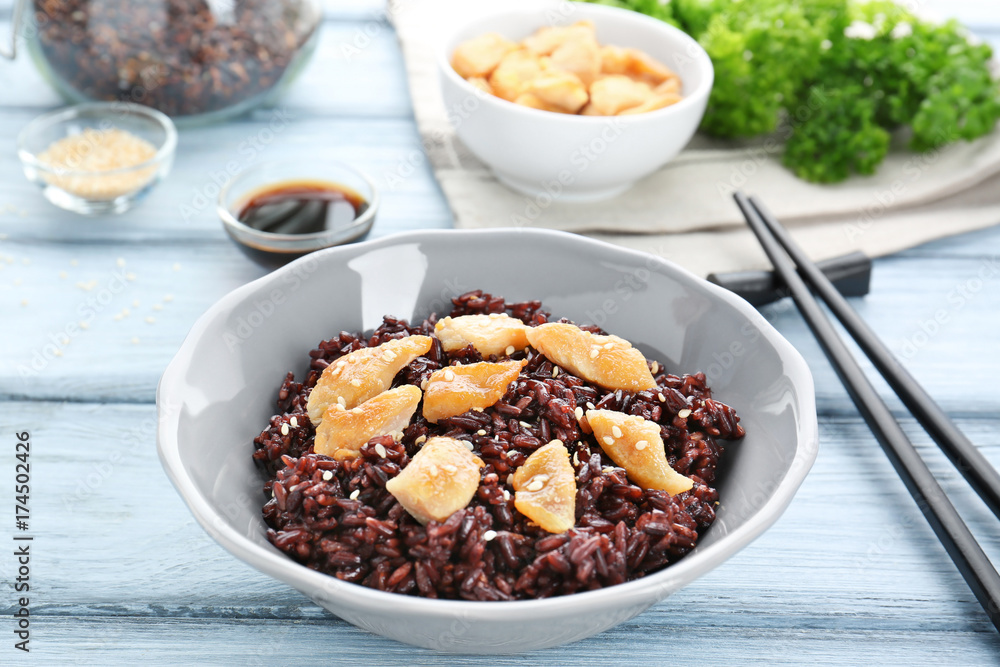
97,158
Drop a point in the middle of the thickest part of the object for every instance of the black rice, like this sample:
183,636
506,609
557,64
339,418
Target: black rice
337,517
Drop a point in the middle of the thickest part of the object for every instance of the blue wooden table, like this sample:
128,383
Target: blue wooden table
120,572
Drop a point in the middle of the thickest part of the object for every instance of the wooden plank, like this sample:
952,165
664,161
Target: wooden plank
118,559
357,71
932,313
119,356
981,244
956,364
182,208
103,640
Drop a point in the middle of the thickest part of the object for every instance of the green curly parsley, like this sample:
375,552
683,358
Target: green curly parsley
836,77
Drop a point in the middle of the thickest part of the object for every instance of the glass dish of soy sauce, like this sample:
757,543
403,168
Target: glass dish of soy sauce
279,211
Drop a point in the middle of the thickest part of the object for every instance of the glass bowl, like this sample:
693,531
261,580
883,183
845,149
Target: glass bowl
195,61
108,190
274,249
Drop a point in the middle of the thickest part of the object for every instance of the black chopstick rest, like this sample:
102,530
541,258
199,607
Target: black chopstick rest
851,274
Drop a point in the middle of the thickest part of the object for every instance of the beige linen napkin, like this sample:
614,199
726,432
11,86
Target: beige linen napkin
684,212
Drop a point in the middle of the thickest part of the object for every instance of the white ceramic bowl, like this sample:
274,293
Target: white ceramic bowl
219,392
570,157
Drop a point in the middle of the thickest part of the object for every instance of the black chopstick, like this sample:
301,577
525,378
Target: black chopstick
969,461
954,535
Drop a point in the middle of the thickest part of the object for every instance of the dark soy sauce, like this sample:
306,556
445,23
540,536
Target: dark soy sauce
302,207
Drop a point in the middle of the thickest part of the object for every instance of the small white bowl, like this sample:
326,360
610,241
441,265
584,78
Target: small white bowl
219,391
571,157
